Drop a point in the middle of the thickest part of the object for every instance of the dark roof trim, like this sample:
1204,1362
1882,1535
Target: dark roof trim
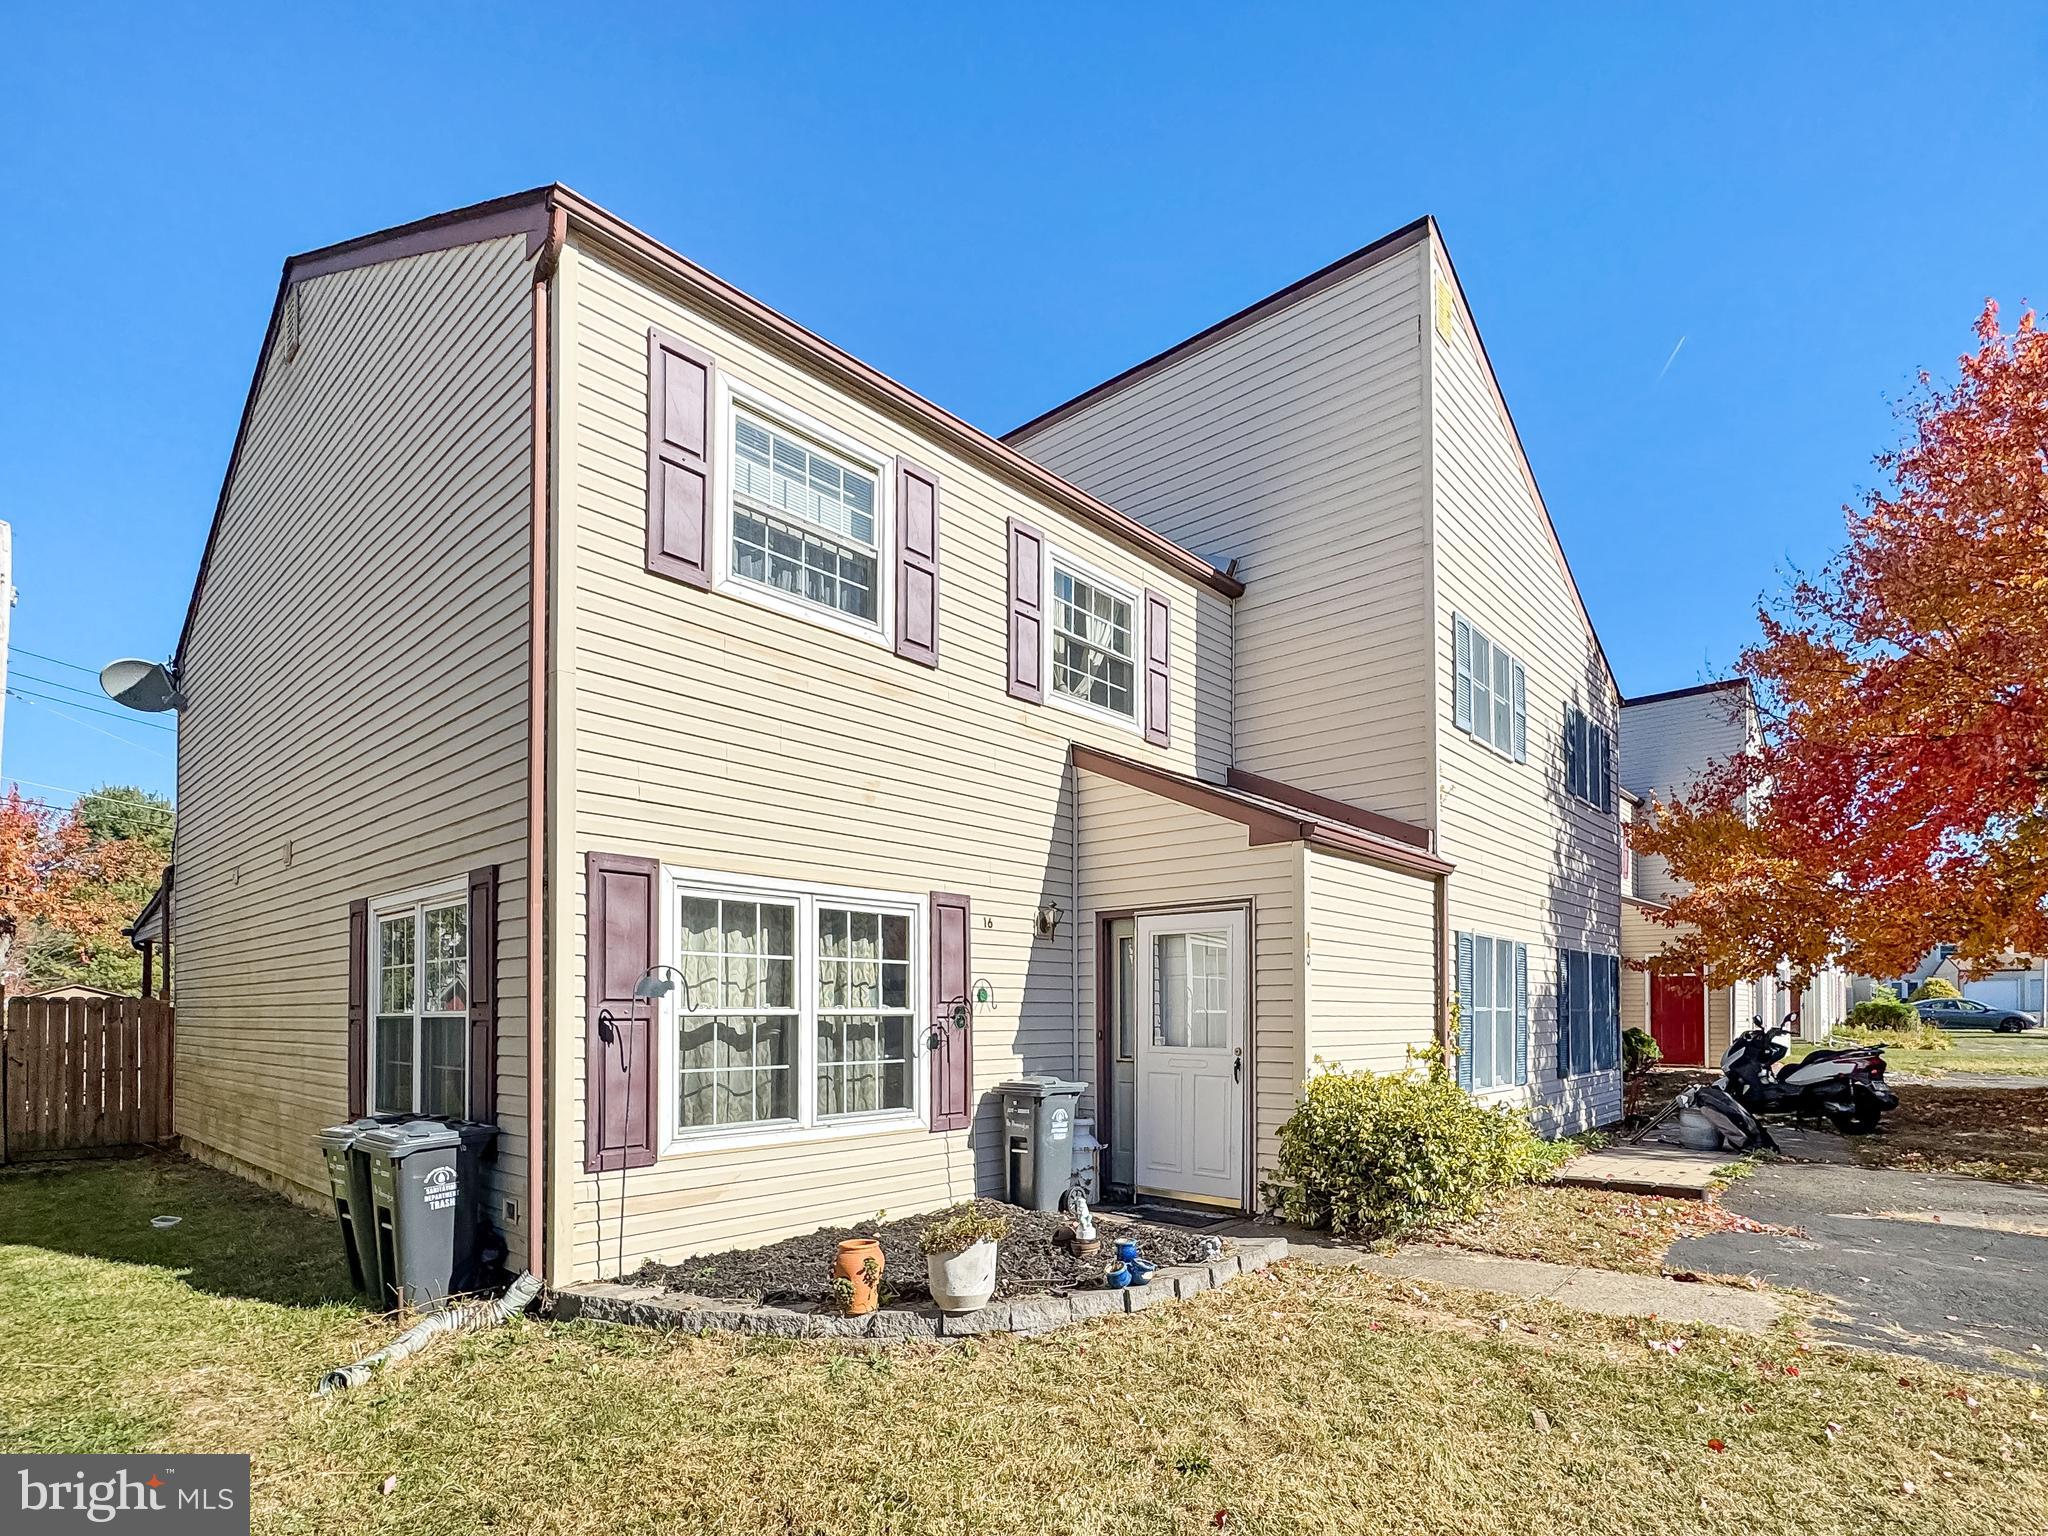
1686,693
1329,809
533,214
729,303
1266,820
1324,277
152,911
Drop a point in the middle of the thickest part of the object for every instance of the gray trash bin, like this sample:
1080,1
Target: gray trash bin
426,1199
348,1180
1038,1138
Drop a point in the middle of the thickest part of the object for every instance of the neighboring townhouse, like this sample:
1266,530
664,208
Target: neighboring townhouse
571,624
1667,741
1410,643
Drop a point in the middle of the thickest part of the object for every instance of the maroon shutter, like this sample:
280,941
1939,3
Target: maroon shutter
678,459
952,1042
917,563
619,1094
1027,612
483,994
358,1008
1158,669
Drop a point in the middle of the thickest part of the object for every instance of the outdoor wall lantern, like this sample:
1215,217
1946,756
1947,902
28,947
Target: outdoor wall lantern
1048,924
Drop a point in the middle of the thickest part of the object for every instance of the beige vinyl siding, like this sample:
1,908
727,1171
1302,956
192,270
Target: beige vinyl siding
1533,864
1371,963
1297,446
1140,851
355,679
1641,939
710,732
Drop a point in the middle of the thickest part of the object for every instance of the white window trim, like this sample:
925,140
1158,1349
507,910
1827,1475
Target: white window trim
1470,732
807,896
1524,1084
1056,557
449,893
730,396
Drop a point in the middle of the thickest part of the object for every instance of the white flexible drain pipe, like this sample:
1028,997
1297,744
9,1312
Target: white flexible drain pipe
473,1317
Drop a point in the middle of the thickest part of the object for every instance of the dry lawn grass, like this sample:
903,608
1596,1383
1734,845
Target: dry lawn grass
1599,1228
1304,1401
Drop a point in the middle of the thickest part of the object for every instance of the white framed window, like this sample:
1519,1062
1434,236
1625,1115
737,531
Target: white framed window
804,515
419,996
799,1010
1490,692
1493,1012
1091,640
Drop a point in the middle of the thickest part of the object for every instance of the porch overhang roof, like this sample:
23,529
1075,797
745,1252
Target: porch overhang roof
1278,813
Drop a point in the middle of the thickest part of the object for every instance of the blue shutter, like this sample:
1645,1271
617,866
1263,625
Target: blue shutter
1564,1014
1465,1011
1461,708
1521,715
1574,760
1607,1040
1521,1013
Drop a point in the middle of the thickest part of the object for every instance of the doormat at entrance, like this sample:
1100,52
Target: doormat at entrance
1173,1215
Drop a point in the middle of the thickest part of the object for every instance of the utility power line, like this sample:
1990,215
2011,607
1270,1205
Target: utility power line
55,661
23,693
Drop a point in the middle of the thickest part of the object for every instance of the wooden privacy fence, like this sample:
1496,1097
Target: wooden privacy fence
83,1072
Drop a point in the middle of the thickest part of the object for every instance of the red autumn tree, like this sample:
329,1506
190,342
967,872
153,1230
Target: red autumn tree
69,884
1899,795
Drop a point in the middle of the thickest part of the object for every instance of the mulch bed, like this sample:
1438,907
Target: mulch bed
1030,1261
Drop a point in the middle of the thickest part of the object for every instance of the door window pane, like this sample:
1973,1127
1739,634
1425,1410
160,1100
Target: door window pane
1124,997
1209,986
1170,1024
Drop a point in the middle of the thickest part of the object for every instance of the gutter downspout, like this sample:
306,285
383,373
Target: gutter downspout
536,757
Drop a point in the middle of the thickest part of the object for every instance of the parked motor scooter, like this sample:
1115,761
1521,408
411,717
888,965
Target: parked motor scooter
1844,1086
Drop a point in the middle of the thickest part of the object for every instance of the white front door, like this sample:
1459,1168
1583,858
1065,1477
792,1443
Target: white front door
1191,1071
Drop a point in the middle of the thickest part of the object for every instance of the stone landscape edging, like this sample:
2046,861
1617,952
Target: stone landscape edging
649,1306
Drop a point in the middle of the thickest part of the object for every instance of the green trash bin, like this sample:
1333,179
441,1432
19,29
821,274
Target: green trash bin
1038,1138
427,1210
348,1180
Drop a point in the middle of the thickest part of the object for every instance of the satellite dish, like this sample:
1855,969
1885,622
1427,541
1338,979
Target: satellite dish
144,685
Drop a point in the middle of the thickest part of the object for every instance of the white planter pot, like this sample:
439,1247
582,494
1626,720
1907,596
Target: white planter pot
963,1281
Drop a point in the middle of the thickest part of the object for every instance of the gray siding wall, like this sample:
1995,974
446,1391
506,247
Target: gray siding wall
1665,745
357,717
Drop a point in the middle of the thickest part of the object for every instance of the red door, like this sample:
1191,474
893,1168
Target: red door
1678,1017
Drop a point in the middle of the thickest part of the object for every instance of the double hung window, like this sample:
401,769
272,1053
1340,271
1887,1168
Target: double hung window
419,976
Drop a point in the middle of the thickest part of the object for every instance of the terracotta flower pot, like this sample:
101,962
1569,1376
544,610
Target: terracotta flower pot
860,1263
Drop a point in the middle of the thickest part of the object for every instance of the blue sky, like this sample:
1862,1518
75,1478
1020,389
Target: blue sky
1002,207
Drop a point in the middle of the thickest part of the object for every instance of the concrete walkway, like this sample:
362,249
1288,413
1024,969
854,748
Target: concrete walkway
1647,1168
1603,1291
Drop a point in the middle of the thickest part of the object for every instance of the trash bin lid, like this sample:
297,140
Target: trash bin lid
411,1136
343,1136
1038,1085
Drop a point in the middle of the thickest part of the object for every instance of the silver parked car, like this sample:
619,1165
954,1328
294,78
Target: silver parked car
1965,1013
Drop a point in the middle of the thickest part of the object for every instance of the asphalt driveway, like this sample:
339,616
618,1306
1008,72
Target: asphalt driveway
1938,1265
